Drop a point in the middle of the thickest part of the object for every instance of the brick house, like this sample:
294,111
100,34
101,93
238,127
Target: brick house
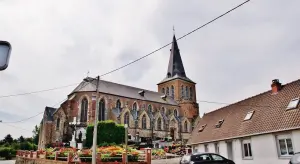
264,128
168,112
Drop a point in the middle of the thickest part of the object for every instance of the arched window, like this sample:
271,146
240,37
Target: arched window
182,91
118,104
168,91
163,110
84,110
163,90
172,91
134,108
144,122
101,116
150,108
187,92
185,126
175,112
159,124
126,118
191,93
57,123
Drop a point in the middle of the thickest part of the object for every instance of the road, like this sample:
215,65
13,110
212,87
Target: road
163,161
7,162
166,161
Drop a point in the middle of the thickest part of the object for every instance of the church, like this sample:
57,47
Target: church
170,112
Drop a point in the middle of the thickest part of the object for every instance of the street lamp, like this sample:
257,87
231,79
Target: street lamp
5,49
126,142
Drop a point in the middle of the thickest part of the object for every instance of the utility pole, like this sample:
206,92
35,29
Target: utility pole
126,142
94,155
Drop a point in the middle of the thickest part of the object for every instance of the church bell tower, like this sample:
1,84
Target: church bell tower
178,86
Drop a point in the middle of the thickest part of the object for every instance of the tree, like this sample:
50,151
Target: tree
21,139
29,139
36,134
8,139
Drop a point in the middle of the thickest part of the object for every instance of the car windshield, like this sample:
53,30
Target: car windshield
296,159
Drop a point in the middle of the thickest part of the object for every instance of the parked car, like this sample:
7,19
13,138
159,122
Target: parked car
205,158
295,159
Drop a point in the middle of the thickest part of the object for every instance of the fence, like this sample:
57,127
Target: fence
27,157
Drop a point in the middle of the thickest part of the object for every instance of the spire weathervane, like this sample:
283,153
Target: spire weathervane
173,30
87,75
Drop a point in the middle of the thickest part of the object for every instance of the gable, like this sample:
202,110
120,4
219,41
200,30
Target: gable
270,115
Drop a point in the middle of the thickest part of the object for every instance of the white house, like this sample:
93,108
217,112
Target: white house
263,129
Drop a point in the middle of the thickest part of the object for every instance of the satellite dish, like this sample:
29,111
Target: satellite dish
5,49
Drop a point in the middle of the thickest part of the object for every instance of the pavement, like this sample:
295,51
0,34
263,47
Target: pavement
8,162
165,161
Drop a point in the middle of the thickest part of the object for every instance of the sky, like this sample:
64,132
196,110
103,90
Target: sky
56,43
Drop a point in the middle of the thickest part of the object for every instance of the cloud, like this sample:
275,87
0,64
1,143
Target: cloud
56,45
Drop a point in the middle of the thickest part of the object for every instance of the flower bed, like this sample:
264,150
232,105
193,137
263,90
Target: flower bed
158,153
108,154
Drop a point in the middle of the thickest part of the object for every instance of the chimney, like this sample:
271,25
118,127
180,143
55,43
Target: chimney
276,86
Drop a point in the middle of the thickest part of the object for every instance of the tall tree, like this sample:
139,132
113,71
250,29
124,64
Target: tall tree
21,139
36,134
8,139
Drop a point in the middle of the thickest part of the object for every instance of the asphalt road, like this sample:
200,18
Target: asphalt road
166,161
8,162
163,161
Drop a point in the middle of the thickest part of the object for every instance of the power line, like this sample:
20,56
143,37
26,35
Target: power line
25,119
15,127
177,39
114,70
39,91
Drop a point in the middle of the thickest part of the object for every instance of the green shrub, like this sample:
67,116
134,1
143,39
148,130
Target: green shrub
108,133
6,152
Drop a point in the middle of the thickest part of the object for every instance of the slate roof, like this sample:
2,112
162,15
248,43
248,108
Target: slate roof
270,115
89,84
175,68
48,114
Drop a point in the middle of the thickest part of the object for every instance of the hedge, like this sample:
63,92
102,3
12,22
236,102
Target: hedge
7,153
108,133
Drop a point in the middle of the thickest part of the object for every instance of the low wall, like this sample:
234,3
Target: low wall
24,160
30,157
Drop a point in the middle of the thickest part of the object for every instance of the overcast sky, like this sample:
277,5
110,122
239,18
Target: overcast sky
55,43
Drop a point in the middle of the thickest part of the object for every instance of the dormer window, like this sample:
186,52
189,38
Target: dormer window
293,103
249,115
219,124
202,128
164,97
142,93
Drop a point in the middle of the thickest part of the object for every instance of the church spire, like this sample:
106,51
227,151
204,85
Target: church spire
175,63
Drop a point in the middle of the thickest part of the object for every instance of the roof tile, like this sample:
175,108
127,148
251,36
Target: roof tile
270,115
